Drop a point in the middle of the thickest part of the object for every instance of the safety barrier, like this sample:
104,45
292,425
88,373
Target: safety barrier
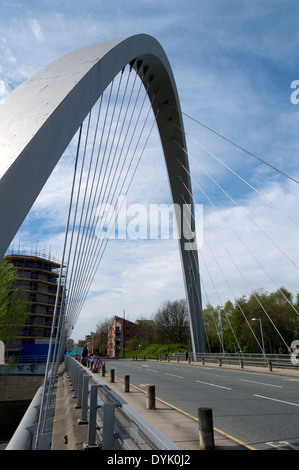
242,359
112,423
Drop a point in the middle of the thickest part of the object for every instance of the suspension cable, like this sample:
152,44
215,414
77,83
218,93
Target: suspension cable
217,184
45,404
241,241
238,146
221,303
253,293
242,179
91,255
92,240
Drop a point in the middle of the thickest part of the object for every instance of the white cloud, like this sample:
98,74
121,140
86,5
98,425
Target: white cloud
36,29
4,89
262,244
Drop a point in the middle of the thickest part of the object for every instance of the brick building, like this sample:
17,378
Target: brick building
119,333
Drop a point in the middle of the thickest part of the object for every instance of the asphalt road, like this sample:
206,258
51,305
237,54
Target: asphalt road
260,410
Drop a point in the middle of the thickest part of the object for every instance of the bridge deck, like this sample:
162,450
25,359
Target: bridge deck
179,428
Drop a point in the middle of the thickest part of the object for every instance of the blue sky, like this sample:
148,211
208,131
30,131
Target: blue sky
234,62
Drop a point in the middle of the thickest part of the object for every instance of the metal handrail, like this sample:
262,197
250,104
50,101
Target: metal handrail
130,429
279,360
30,359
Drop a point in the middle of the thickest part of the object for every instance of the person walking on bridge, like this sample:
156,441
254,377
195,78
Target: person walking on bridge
84,356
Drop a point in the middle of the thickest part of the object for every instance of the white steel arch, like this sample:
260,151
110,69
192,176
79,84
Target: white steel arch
40,117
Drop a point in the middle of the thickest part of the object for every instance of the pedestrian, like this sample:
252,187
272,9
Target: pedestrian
187,354
84,356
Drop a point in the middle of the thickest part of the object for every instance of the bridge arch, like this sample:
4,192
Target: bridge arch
40,117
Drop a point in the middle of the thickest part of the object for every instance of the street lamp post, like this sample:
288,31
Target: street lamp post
262,336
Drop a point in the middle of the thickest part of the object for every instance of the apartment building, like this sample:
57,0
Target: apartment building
38,277
119,333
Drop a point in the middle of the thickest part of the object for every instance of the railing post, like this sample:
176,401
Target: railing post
85,384
91,438
108,426
71,372
74,380
79,388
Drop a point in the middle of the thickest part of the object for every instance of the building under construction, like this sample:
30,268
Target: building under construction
38,277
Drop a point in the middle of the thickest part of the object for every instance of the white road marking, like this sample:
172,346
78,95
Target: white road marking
275,399
213,385
281,445
261,383
172,375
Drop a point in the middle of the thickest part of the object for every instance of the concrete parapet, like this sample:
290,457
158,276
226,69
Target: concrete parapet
68,434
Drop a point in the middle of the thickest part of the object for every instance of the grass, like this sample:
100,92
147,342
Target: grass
157,350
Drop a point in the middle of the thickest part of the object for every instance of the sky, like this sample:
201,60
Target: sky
234,62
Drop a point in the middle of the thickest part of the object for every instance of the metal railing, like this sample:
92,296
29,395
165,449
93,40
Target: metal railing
28,359
112,423
242,359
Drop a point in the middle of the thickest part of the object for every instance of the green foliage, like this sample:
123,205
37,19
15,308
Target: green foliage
13,303
231,328
157,350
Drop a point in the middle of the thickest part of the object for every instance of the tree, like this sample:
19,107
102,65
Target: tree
277,312
101,339
172,321
147,331
13,303
239,336
211,317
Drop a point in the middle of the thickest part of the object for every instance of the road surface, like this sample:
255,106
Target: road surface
260,410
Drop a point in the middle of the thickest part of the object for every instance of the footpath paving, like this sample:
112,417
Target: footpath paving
181,428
